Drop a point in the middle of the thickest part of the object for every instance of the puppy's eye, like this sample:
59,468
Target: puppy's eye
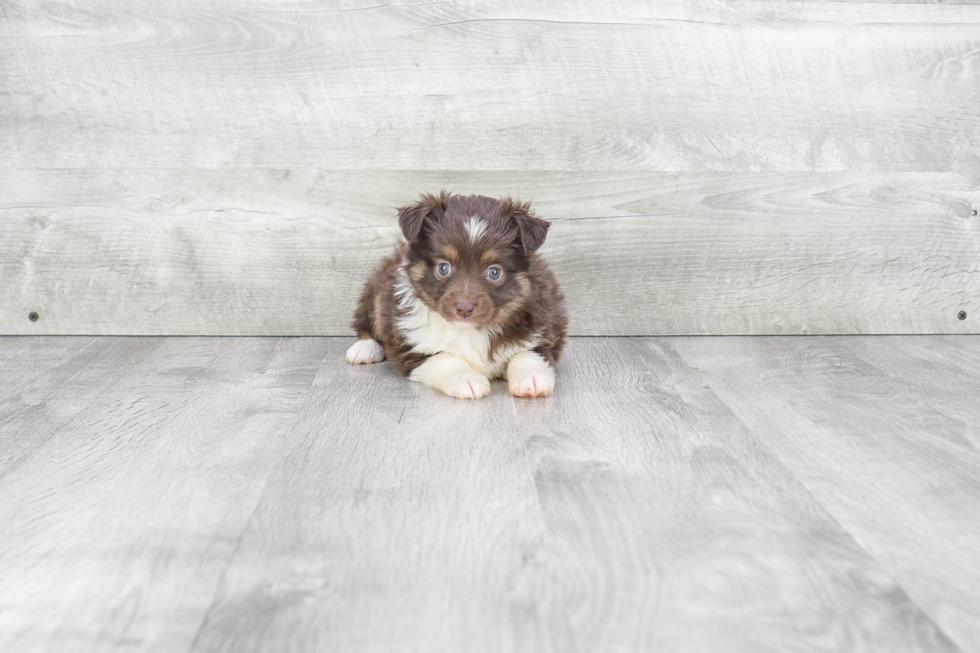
444,269
494,272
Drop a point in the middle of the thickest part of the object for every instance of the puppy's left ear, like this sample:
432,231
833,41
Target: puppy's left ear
532,229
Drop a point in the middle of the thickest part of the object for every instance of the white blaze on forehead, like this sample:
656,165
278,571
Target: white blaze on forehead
475,227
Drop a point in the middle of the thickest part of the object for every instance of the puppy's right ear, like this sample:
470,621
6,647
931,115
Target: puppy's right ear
410,218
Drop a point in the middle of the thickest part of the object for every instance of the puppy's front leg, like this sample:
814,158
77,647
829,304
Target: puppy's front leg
453,376
530,375
365,351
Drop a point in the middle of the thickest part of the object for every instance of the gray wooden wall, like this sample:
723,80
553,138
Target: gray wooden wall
196,167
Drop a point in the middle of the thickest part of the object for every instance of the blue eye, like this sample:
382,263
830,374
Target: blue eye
494,272
444,269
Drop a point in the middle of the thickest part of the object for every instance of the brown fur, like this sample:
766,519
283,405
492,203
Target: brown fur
525,302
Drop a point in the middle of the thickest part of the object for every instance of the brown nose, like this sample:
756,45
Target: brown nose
464,309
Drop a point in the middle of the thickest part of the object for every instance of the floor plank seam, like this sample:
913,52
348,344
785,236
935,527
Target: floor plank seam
855,539
296,421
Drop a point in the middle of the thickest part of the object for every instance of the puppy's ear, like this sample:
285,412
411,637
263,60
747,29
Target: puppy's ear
410,218
531,228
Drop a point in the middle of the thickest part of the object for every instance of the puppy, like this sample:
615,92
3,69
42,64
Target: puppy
465,299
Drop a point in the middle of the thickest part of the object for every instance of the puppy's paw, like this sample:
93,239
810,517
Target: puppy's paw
364,352
530,375
467,385
532,384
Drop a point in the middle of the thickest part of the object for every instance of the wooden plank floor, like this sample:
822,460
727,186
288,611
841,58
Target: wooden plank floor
676,494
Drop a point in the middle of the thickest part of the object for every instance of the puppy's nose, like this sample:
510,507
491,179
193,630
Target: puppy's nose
464,309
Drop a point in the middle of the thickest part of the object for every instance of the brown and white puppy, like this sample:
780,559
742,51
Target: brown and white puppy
465,299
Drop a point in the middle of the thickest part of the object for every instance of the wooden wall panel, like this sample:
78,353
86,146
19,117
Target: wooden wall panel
739,167
516,85
261,252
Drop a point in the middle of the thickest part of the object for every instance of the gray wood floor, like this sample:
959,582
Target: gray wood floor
676,494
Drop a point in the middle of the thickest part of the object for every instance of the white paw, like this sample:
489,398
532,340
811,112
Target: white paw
467,385
532,384
364,352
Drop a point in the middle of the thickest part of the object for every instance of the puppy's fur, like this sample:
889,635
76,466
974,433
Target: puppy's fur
465,299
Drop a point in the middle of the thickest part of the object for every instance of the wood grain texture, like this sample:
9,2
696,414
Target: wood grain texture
114,532
635,542
280,252
45,385
215,495
626,522
759,167
881,432
515,85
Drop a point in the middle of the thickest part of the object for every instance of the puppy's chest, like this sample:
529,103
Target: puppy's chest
430,333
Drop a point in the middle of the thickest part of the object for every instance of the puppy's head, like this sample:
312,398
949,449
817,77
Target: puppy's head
468,256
